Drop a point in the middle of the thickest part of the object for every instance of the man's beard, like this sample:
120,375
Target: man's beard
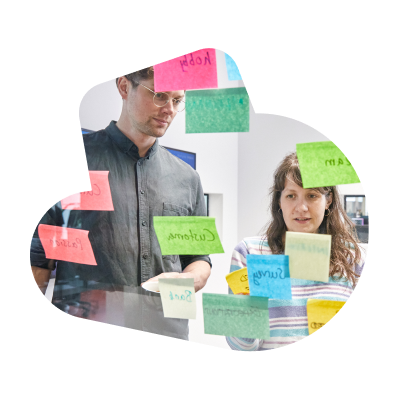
147,129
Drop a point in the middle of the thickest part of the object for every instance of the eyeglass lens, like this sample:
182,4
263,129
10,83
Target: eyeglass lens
161,99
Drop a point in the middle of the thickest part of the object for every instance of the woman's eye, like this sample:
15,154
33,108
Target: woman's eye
290,196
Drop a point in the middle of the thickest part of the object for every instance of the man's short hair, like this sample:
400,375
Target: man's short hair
138,76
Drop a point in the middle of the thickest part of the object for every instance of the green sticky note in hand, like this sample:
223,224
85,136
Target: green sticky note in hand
309,255
217,110
236,315
324,164
187,235
178,297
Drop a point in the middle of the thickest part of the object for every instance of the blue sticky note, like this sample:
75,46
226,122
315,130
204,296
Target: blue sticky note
232,69
269,276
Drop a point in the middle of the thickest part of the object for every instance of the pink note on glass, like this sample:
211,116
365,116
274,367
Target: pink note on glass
66,244
98,199
195,70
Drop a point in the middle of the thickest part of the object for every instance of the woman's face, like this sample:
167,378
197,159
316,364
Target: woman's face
303,209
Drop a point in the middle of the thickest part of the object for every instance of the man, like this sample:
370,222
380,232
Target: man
145,181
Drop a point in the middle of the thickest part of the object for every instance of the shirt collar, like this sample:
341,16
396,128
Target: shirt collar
127,145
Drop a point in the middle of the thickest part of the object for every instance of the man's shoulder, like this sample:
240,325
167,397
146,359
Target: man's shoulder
95,138
177,164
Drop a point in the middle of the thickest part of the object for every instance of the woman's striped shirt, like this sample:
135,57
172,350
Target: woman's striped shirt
288,318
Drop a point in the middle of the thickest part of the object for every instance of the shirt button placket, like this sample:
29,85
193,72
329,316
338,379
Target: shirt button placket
144,234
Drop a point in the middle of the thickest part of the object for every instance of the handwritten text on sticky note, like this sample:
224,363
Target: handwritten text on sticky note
232,69
309,255
66,244
178,297
236,315
217,110
269,276
324,164
238,281
320,312
99,198
187,235
195,70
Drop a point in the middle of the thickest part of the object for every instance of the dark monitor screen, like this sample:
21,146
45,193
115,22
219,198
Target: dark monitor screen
186,156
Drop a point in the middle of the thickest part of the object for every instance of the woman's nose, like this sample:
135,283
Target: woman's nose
301,207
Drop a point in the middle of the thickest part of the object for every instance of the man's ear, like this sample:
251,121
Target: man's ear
123,87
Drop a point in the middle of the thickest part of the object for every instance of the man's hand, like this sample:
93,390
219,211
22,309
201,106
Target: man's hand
199,270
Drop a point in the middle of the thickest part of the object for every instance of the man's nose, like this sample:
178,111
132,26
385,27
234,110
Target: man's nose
168,108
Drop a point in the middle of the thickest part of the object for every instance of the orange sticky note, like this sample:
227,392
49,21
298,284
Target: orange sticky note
66,244
97,199
238,281
196,70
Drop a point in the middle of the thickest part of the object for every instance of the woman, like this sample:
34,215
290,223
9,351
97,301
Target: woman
296,209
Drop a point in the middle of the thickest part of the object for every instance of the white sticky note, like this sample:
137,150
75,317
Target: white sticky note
309,255
178,297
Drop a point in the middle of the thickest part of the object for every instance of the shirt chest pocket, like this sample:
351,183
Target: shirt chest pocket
173,210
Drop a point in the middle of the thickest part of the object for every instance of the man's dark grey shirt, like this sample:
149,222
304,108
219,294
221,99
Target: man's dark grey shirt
124,242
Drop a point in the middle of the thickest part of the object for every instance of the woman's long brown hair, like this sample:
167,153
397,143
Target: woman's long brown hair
337,224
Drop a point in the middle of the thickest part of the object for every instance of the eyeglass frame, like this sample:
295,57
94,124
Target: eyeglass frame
155,93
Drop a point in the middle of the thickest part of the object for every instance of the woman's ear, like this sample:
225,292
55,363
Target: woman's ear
329,200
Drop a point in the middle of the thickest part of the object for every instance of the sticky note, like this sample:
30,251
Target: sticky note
324,164
269,276
238,281
232,69
178,297
217,110
236,315
309,255
320,312
99,198
196,70
66,244
187,235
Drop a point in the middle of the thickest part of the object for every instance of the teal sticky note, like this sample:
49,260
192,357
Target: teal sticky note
236,315
324,164
217,110
187,235
232,69
269,276
178,297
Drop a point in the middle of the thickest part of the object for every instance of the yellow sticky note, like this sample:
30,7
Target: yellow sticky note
238,281
309,255
320,312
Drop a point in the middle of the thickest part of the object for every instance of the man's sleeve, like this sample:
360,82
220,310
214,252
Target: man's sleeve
200,211
52,217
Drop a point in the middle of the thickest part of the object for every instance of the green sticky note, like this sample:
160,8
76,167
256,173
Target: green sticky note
178,297
324,164
217,110
236,315
309,255
187,235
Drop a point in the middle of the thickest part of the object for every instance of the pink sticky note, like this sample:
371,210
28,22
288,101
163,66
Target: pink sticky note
195,70
66,244
98,199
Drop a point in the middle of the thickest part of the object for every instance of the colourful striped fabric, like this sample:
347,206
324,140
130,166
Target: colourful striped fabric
288,318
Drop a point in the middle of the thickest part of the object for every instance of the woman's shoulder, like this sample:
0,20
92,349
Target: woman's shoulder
253,245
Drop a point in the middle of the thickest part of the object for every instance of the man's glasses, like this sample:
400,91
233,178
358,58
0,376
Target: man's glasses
160,99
